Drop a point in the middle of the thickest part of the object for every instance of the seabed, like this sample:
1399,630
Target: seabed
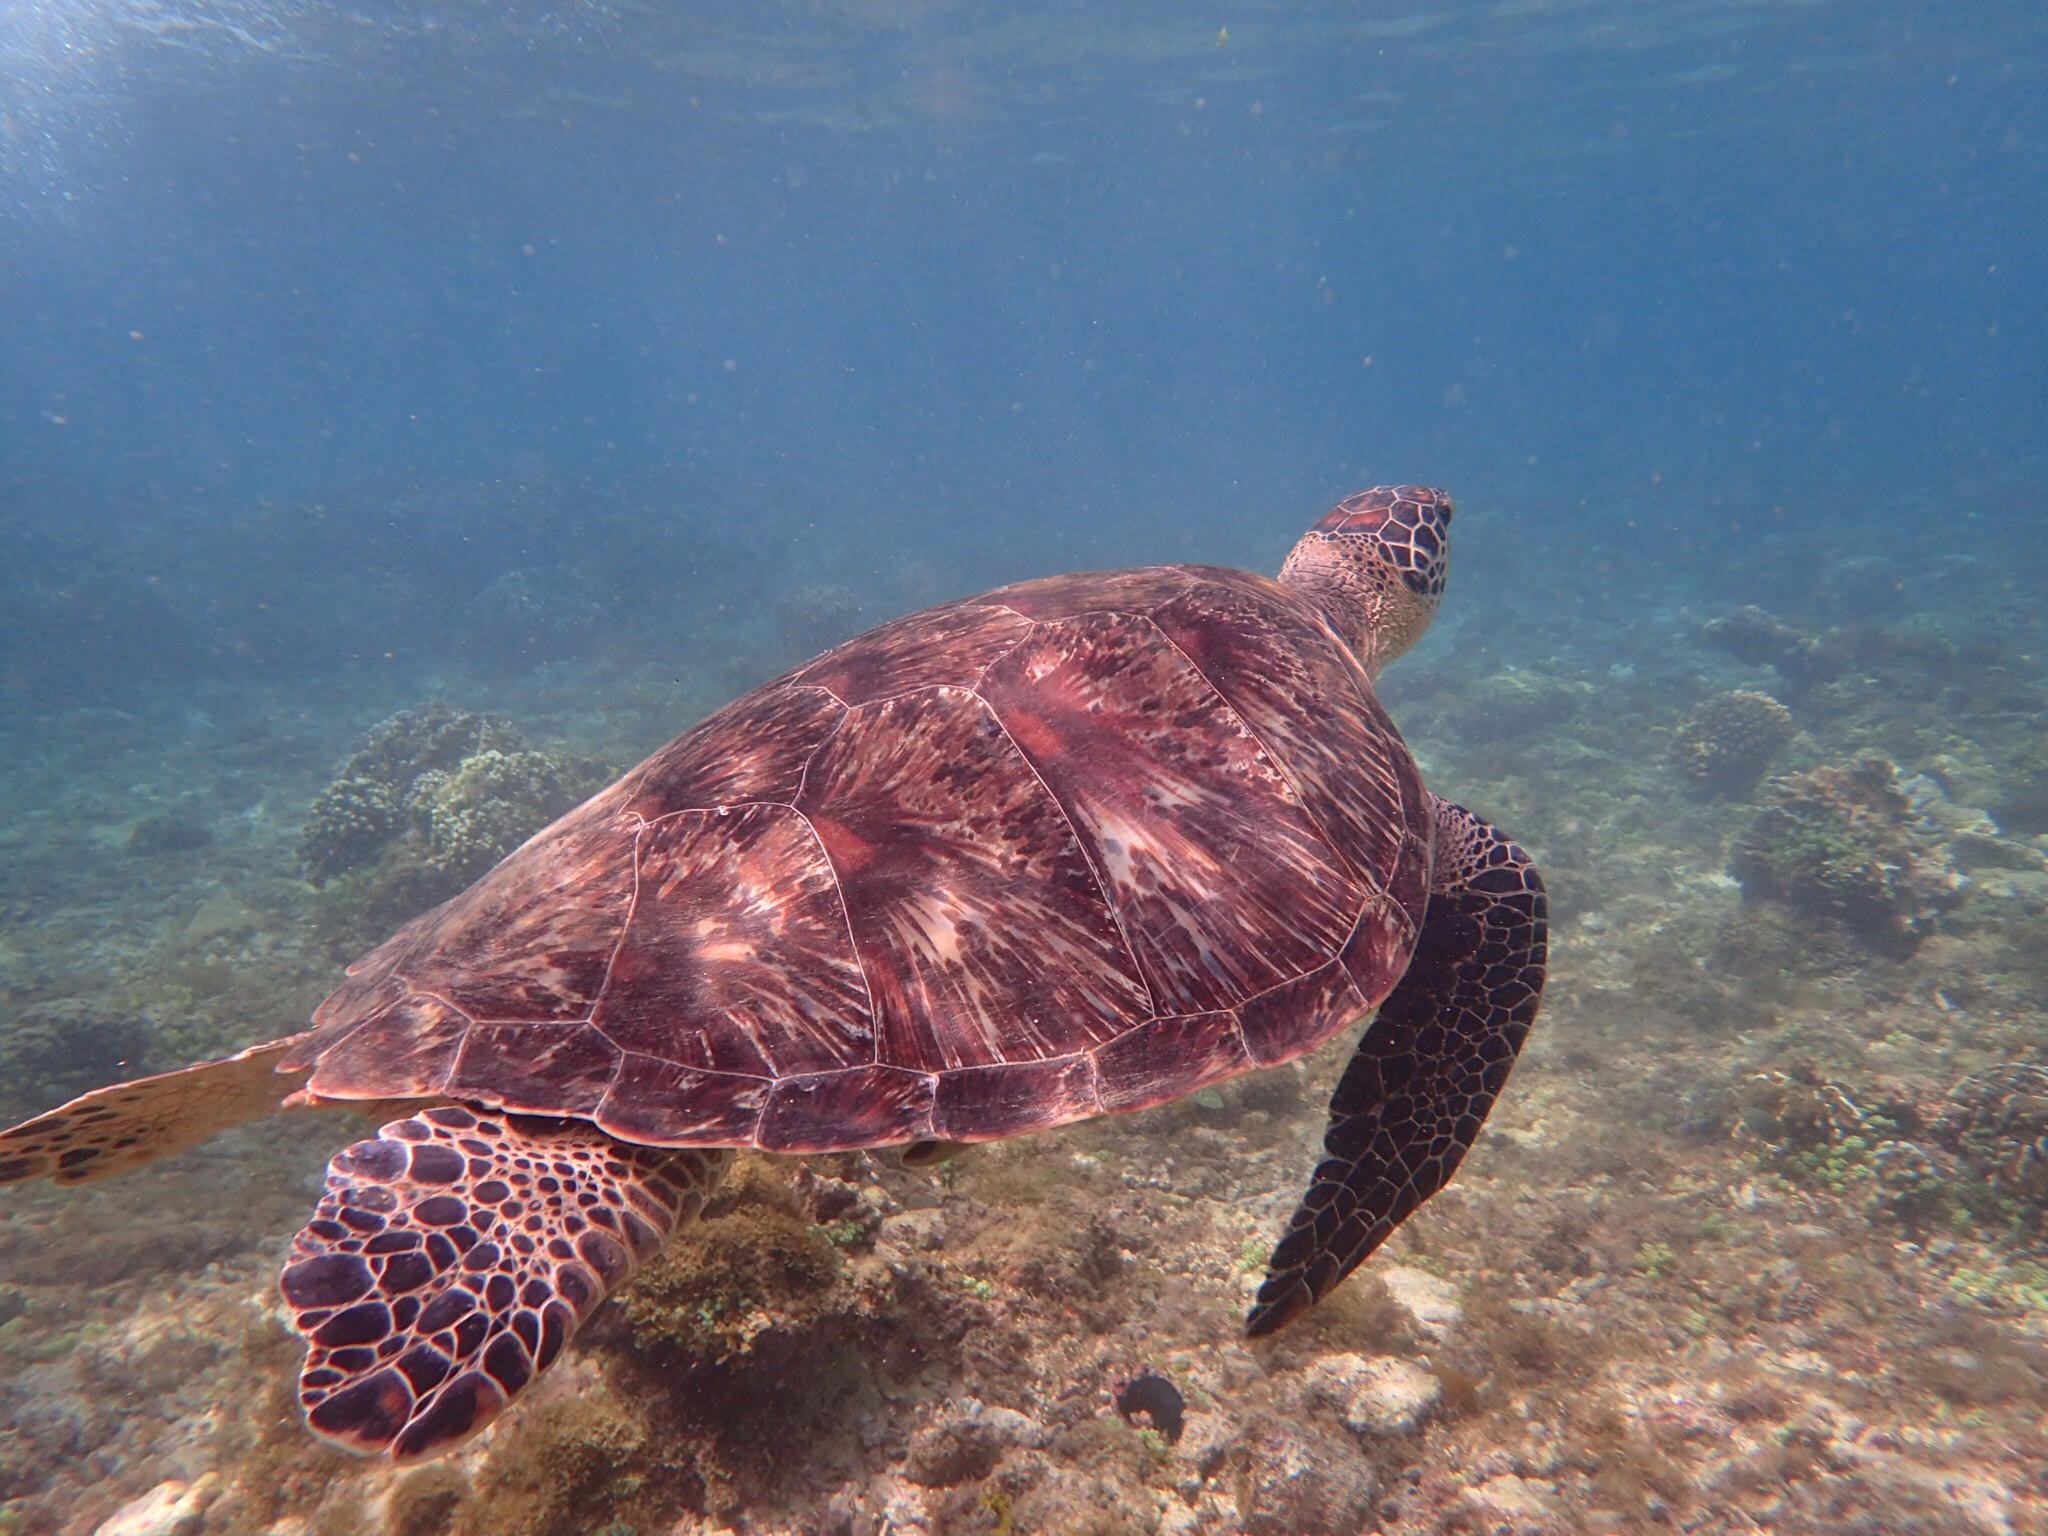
1754,1241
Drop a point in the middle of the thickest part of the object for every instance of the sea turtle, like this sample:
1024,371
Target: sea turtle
1076,845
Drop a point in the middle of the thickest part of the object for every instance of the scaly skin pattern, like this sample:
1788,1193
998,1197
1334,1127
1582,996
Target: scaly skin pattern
113,1129
1427,1071
1081,844
454,1254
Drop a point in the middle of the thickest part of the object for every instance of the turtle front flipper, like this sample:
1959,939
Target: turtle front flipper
126,1125
452,1257
1427,1069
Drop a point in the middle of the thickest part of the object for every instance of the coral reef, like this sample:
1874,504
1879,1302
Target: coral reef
1820,1132
1760,639
470,817
434,735
1732,1253
361,810
348,825
1296,1479
431,799
1996,1121
1725,743
1523,701
1840,844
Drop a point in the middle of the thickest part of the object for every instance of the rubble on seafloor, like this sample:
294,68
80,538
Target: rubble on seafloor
1753,1241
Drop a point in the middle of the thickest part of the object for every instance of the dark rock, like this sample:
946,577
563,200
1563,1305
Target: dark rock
54,1051
967,1443
1157,1401
1760,639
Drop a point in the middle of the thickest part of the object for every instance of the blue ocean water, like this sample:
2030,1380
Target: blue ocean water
586,364
1049,287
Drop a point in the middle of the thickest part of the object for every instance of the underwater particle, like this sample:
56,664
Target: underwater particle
1726,742
1157,1400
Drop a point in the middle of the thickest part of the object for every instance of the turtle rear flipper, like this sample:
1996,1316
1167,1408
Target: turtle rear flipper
452,1257
1427,1069
124,1126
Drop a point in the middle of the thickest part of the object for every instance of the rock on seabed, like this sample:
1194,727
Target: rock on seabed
1430,1301
1375,1394
171,1508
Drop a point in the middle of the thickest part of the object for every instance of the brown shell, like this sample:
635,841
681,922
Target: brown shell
1076,845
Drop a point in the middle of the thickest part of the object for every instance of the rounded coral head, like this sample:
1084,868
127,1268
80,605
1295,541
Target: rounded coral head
1412,525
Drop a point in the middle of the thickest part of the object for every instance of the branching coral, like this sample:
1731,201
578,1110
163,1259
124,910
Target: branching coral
354,819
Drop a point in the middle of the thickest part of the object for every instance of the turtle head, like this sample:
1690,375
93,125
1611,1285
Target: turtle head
1375,566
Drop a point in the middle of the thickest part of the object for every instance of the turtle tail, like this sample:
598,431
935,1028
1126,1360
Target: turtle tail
455,1253
111,1130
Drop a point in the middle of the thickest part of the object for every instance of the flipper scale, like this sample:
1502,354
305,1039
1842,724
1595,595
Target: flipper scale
455,1253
